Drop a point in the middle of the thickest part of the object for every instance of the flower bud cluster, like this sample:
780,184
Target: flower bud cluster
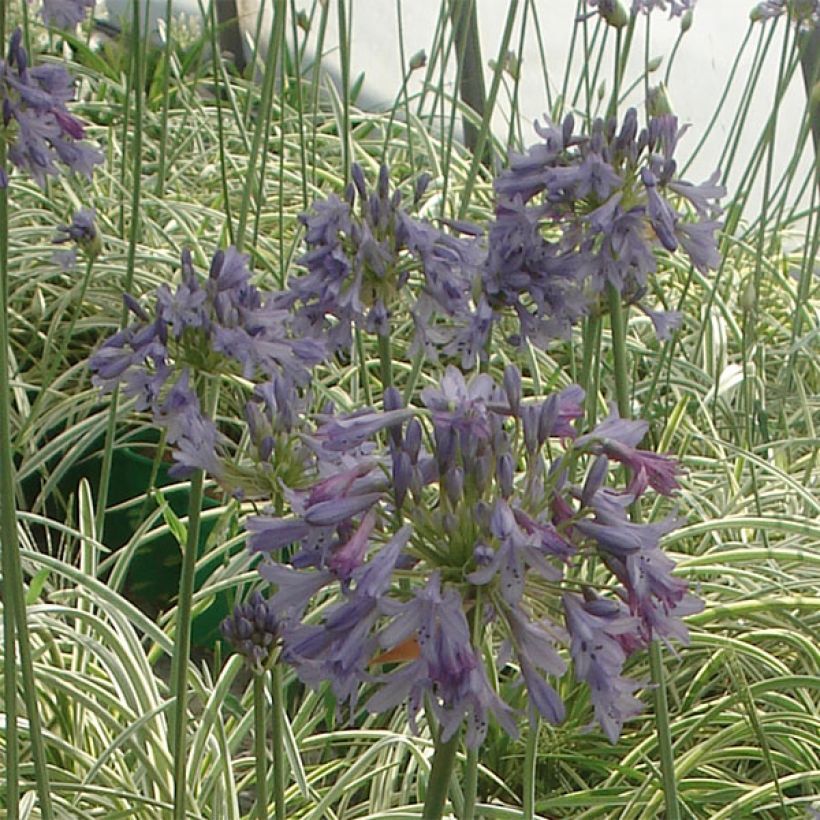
252,630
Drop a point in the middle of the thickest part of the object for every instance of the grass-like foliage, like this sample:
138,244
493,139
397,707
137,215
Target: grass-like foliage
124,526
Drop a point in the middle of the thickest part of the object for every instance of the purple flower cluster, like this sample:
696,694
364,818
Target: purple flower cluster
65,14
367,257
477,488
219,325
676,7
577,213
806,13
42,131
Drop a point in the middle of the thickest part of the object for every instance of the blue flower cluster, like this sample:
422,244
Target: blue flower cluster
220,326
368,258
462,518
36,121
805,13
65,14
577,213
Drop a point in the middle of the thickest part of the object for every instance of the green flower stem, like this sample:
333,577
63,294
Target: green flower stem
664,730
344,59
471,772
386,360
278,728
223,166
361,355
9,543
484,132
263,117
662,723
530,761
15,621
166,97
137,81
259,745
182,647
589,373
413,379
618,329
470,784
438,784
182,635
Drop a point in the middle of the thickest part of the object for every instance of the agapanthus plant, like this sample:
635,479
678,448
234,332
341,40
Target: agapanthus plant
456,529
220,327
39,129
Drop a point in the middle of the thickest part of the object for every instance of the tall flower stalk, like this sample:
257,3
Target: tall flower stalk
37,130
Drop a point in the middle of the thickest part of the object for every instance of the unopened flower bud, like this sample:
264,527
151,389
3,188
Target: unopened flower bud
613,13
658,102
454,484
504,474
595,479
546,418
654,64
748,298
686,21
412,440
445,448
420,187
512,387
402,476
358,179
418,60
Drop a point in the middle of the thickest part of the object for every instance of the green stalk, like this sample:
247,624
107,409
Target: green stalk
344,55
664,730
662,722
591,352
361,355
223,167
300,108
438,784
182,636
471,772
182,647
15,622
386,360
137,84
259,746
278,728
618,329
166,96
530,762
470,784
281,52
542,55
9,542
262,119
484,132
